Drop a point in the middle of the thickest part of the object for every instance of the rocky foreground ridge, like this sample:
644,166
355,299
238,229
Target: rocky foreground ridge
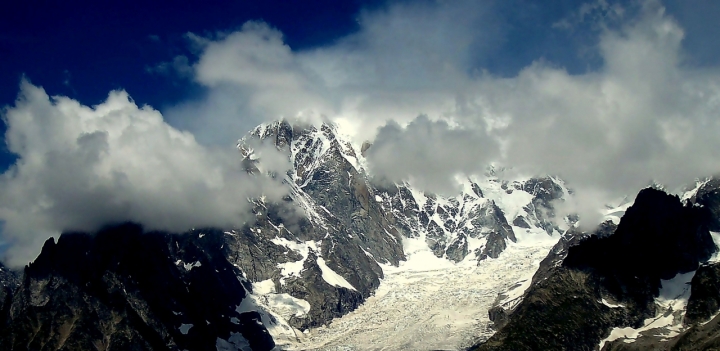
648,283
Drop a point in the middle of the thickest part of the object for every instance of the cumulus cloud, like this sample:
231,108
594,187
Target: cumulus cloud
406,60
82,167
251,76
643,115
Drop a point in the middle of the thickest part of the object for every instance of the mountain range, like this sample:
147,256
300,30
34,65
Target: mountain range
325,255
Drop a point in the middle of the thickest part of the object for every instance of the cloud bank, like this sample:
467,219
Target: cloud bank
82,167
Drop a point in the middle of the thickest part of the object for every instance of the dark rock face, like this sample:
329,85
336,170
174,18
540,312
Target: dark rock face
700,337
701,318
123,289
9,281
498,316
544,191
9,278
313,289
458,249
562,310
571,238
709,196
500,231
658,237
704,301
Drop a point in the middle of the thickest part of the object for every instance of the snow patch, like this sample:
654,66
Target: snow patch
188,266
611,305
614,213
264,287
512,204
290,269
331,277
692,192
287,306
275,310
419,258
185,328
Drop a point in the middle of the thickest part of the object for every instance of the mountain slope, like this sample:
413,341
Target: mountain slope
610,286
124,289
301,263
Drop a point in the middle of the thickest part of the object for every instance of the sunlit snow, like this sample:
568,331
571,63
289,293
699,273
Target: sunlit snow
331,277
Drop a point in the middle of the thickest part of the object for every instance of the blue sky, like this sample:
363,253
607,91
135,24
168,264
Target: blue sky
84,49
123,107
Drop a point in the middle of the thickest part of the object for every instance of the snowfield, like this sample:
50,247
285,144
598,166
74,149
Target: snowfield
429,303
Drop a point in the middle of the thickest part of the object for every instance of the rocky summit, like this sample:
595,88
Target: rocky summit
346,261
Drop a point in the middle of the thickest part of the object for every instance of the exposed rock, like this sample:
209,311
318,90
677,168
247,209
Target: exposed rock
123,289
495,245
657,238
9,281
521,222
541,210
498,316
364,148
704,301
9,278
708,195
327,301
458,249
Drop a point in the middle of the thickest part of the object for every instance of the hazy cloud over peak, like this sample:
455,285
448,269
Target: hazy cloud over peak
430,154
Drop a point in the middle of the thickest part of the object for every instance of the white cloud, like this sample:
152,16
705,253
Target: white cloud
642,116
251,77
406,60
430,153
80,168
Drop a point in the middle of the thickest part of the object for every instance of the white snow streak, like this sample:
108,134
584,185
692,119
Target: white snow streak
331,277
